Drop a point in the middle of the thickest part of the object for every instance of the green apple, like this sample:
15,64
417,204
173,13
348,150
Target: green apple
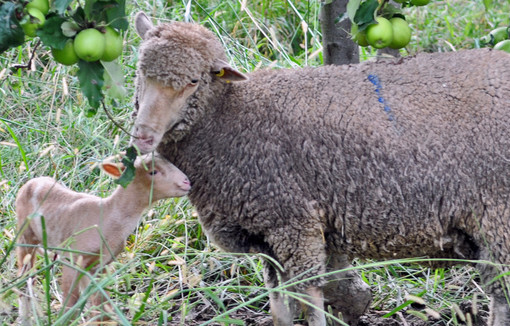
113,44
358,37
419,2
400,1
401,33
89,44
503,46
36,20
41,5
499,34
66,56
380,35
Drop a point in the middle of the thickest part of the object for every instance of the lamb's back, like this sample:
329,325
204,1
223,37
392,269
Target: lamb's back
63,209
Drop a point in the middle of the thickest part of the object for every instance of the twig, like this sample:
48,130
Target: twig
401,316
29,63
115,122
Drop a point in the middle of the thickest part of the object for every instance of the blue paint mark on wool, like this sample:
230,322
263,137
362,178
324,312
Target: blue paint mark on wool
378,90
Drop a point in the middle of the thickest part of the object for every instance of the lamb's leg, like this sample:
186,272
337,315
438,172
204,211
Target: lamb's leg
26,260
282,306
341,288
24,305
70,286
99,300
73,284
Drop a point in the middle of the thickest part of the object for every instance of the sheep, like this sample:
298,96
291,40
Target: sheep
380,160
94,228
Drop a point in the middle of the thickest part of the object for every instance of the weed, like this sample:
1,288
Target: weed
169,272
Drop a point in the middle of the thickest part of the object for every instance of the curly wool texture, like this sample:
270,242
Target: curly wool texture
419,185
376,160
176,53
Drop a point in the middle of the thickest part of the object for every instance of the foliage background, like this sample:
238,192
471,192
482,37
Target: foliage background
170,272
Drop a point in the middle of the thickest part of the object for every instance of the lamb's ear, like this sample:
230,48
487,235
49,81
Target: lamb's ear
224,71
113,169
142,24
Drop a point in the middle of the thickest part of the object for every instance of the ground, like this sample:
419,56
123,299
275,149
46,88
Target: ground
372,318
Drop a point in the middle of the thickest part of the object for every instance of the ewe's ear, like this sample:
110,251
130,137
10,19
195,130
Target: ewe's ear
113,169
224,71
142,24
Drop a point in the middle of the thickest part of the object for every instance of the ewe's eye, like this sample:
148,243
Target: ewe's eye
153,172
194,81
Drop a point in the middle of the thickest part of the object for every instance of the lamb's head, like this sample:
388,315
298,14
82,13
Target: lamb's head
153,174
161,177
181,67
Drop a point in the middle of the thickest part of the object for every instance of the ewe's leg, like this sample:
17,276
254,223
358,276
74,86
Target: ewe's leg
495,247
346,292
499,293
500,312
314,312
282,306
300,248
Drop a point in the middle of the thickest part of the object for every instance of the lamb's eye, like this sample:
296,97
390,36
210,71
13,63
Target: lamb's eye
194,81
154,172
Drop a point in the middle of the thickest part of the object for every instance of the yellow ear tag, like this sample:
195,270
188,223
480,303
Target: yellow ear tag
221,73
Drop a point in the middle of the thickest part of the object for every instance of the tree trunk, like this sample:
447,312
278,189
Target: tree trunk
338,47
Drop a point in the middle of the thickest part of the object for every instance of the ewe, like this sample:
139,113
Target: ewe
377,160
93,228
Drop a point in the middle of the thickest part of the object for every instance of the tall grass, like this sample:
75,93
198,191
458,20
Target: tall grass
169,272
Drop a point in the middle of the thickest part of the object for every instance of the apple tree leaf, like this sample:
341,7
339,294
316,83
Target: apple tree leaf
112,12
78,16
352,8
70,28
390,11
129,163
114,80
91,80
51,33
365,15
88,9
116,15
61,5
11,33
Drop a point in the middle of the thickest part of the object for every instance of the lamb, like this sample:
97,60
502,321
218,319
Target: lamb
94,228
376,160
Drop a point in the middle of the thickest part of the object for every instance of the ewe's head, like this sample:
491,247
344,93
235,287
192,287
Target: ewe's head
153,174
178,62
